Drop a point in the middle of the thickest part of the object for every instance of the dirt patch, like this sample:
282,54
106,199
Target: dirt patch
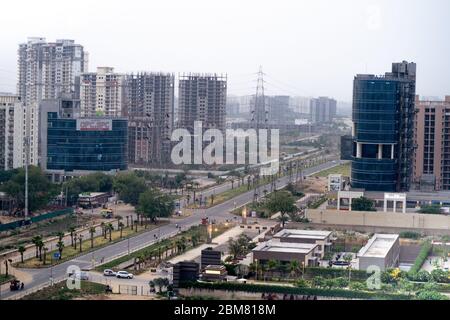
313,185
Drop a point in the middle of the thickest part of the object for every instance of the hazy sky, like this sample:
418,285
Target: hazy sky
306,47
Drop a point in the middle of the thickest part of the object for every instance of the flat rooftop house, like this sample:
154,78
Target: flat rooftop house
285,252
296,234
322,238
382,250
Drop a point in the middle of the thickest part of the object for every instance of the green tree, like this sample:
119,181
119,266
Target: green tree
129,187
40,189
96,182
282,202
363,204
154,204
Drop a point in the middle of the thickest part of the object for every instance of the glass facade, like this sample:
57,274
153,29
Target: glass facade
383,118
101,148
376,122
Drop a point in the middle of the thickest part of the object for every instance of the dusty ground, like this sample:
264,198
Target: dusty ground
7,219
313,185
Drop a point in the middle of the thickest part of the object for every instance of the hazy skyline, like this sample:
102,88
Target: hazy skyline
308,48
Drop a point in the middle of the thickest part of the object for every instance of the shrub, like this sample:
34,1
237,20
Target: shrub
410,235
421,276
358,286
423,254
440,275
261,288
431,209
301,283
335,273
431,295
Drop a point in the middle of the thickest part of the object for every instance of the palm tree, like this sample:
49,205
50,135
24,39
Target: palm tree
294,267
103,225
80,238
45,254
195,238
272,265
110,228
183,244
21,250
35,240
60,246
121,225
72,231
92,232
40,245
60,235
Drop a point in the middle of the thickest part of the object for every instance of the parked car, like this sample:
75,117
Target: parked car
109,273
124,275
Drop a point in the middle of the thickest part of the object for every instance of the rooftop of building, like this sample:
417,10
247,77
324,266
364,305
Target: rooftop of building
378,246
303,234
286,247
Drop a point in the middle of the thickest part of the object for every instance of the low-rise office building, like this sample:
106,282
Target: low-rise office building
185,271
214,273
382,251
210,257
71,145
324,239
307,254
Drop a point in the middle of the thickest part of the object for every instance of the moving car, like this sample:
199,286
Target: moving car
82,275
109,273
124,275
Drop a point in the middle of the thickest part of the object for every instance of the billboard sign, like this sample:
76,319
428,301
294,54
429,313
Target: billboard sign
94,124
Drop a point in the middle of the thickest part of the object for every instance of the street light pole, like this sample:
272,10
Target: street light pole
27,156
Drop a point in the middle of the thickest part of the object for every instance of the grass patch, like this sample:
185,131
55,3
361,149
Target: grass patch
5,278
60,291
343,169
70,252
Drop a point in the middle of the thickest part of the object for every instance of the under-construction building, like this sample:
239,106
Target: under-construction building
202,97
149,103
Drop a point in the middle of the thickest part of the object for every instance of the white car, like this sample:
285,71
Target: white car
109,273
79,275
124,275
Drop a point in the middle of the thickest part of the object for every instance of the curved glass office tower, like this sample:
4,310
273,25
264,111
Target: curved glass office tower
383,114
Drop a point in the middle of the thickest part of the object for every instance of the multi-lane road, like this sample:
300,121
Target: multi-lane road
221,212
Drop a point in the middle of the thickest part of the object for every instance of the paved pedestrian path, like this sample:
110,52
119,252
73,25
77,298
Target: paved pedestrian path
219,240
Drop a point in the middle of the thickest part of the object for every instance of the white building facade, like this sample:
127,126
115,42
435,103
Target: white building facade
102,93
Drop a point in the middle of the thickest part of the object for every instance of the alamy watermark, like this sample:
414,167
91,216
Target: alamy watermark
212,146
